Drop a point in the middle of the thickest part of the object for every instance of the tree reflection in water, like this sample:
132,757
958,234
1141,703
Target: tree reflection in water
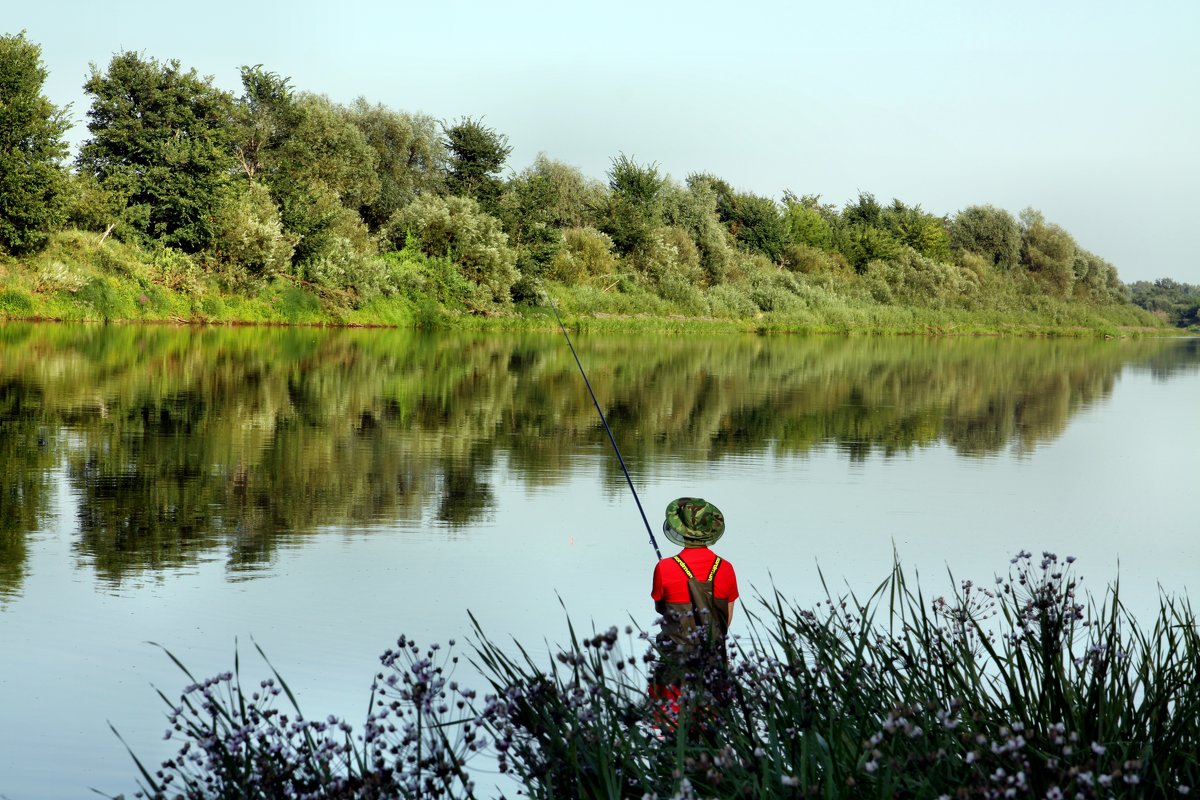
184,443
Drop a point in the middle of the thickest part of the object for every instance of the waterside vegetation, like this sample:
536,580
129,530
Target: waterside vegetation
1021,688
192,203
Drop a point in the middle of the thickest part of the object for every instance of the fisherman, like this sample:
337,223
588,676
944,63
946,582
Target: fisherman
694,593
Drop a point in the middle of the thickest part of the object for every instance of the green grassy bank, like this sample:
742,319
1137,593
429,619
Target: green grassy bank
82,277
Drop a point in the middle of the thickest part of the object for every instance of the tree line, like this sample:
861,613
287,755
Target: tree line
1174,302
360,201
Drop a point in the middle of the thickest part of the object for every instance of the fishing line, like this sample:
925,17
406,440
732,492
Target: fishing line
608,430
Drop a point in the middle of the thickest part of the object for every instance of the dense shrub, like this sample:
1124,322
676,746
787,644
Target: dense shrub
586,254
455,228
250,234
913,279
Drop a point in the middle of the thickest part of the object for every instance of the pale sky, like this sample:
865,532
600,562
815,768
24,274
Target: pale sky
1085,110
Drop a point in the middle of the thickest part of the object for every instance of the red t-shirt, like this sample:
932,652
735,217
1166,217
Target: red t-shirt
670,582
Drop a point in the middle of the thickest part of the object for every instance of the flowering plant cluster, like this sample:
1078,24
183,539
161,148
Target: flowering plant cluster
1023,690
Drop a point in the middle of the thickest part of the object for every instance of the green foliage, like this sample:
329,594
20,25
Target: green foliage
1095,280
861,244
162,139
317,163
914,228
477,156
432,282
865,211
92,207
635,204
298,305
108,299
754,222
15,303
988,231
1178,303
808,222
456,228
812,260
249,234
586,256
1048,252
757,224
694,210
913,279
32,179
411,158
671,259
730,302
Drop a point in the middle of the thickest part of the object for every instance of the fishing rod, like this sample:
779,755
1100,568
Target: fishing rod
608,430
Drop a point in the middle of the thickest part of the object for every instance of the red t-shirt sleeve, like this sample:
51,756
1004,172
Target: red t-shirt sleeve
725,582
657,590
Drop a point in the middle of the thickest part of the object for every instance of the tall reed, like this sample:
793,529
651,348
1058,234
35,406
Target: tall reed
1024,688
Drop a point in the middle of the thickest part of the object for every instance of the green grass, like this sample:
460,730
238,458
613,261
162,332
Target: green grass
77,277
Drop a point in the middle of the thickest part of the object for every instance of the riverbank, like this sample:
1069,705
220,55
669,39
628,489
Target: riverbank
80,279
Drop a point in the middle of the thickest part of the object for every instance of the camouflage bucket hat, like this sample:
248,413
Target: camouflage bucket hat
693,522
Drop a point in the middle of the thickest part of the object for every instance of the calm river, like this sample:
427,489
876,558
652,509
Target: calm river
319,493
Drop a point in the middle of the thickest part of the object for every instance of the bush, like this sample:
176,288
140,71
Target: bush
250,235
586,254
670,257
811,260
455,228
775,291
423,278
913,279
731,302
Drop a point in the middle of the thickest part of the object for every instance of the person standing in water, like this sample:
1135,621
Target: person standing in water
694,593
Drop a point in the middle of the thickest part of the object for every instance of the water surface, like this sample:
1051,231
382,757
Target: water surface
322,492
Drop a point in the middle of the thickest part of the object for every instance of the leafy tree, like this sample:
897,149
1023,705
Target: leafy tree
987,231
866,210
694,210
808,221
1048,252
635,204
250,234
161,138
923,232
759,225
861,244
538,204
477,156
411,158
1095,279
586,254
32,179
1179,303
755,222
317,163
862,235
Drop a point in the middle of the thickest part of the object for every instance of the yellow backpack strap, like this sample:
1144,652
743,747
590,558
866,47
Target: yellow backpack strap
713,572
684,567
